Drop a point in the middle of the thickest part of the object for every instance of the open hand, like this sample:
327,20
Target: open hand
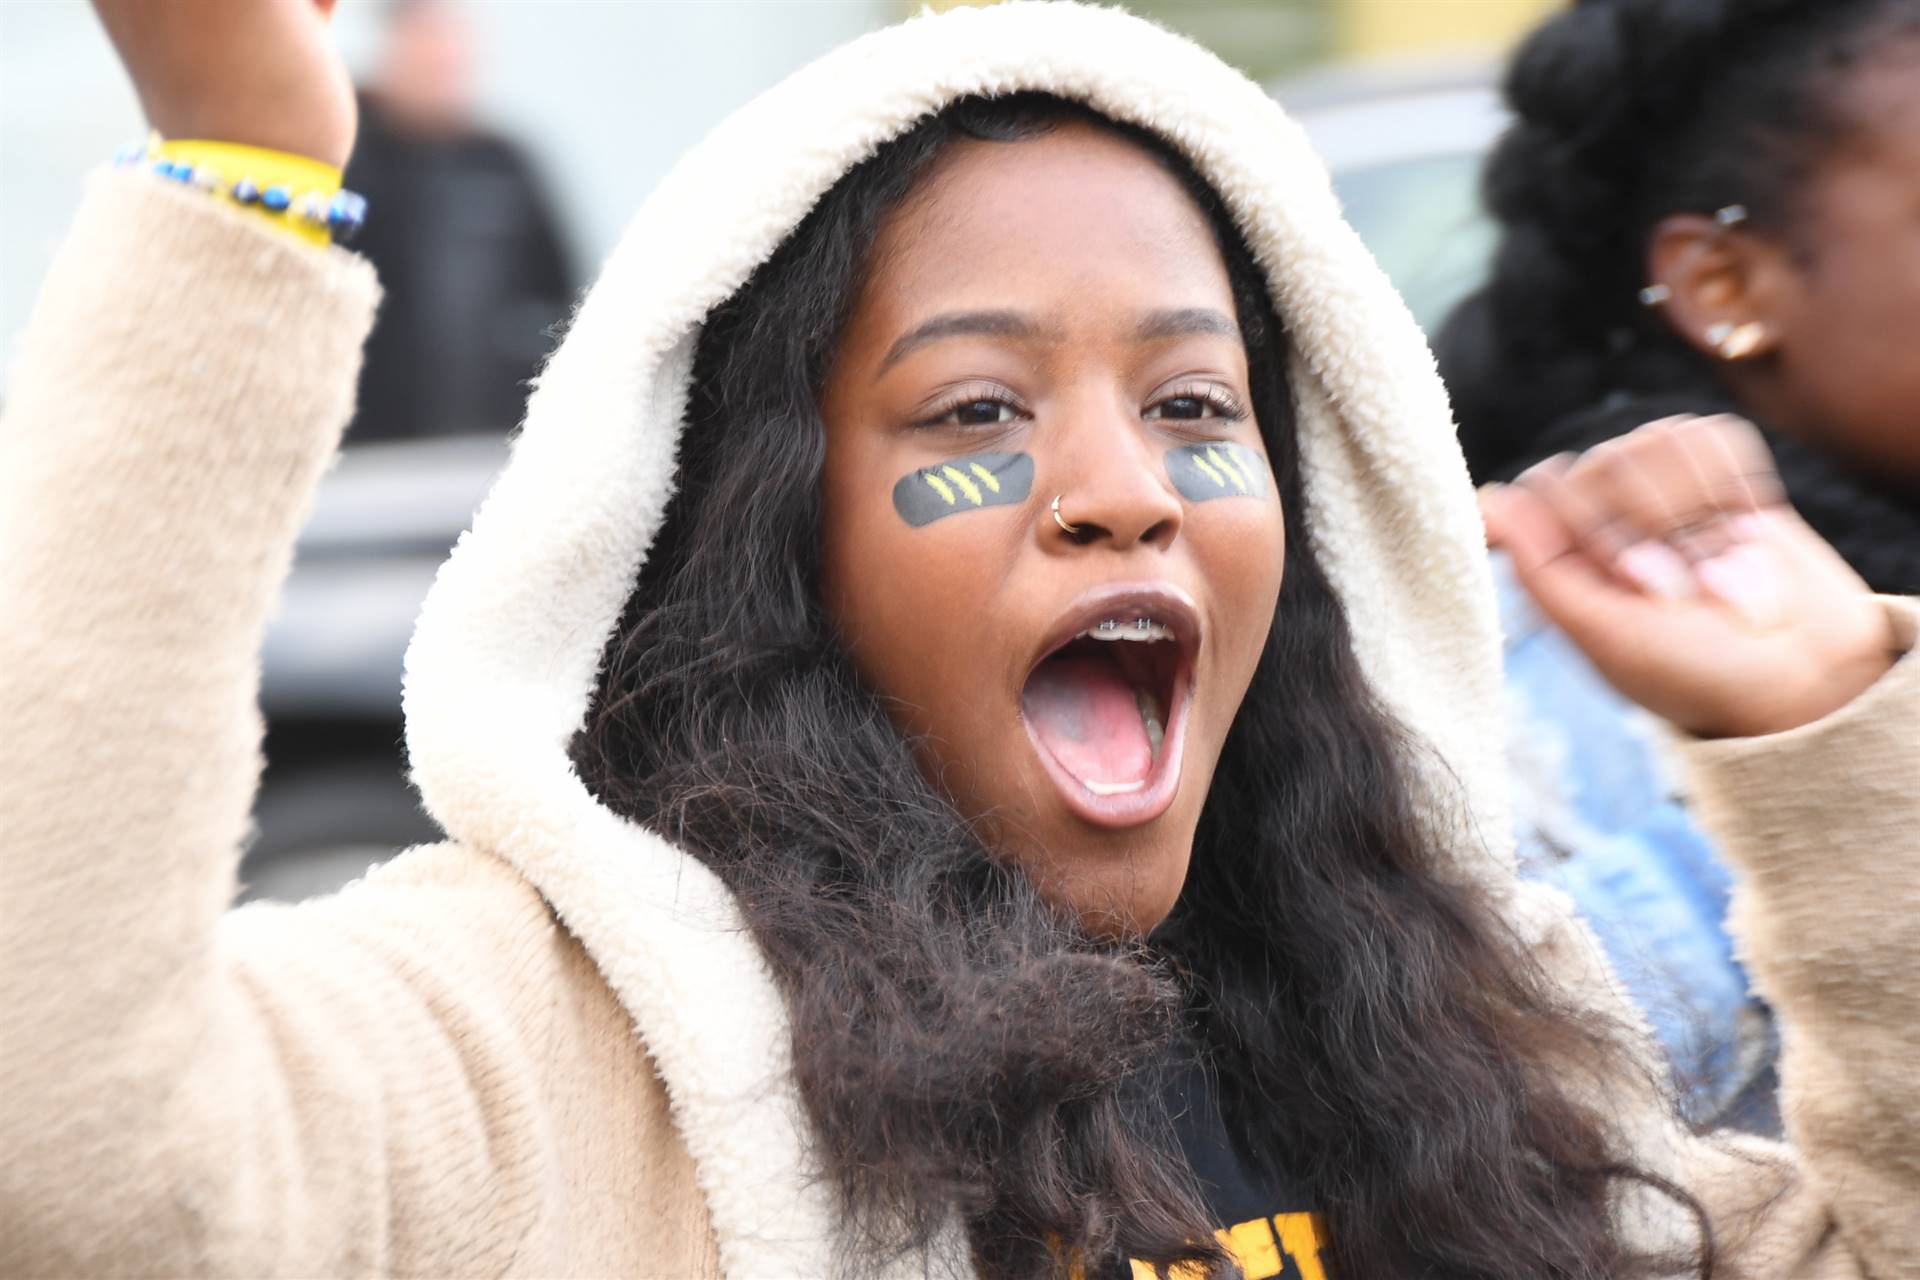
263,73
1671,558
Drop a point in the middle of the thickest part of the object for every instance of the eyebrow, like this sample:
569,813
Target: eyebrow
1181,322
1169,322
954,324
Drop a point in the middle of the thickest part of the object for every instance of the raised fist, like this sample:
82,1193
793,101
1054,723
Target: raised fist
1671,558
264,73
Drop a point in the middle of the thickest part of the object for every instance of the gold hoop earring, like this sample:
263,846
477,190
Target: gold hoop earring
1060,519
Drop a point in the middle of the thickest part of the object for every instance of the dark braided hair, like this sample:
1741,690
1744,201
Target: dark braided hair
1627,111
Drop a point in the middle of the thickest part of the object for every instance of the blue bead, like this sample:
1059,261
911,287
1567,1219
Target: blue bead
347,212
276,198
246,191
182,173
163,167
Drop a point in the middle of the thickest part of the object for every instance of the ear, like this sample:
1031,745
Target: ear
1719,279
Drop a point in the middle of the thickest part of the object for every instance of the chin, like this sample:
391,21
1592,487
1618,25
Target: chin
1116,895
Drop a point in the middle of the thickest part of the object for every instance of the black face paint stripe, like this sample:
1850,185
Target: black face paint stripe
964,484
1220,470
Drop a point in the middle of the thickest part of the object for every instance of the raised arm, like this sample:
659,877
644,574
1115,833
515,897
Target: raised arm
1671,559
342,1088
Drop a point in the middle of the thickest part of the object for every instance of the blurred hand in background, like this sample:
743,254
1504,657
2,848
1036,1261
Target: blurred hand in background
1670,557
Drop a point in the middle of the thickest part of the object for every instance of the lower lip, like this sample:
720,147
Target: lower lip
1132,808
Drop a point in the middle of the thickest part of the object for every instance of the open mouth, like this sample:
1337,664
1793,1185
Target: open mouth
1104,705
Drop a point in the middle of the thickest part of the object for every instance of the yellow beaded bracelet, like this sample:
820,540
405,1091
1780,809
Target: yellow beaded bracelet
297,193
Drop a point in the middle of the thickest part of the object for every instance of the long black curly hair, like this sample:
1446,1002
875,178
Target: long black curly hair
961,1050
1627,111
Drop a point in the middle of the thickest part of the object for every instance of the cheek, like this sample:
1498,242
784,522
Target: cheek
1856,366
1241,544
908,601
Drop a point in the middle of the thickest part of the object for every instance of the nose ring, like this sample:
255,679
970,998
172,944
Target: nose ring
1060,519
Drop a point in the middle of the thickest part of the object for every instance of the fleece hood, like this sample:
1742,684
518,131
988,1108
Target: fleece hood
504,660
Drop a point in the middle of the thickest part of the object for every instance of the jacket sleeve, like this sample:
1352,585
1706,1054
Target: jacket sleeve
315,1090
1823,825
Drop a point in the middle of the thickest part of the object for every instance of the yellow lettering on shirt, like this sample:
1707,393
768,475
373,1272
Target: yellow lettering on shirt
1261,1248
1300,1237
1253,1249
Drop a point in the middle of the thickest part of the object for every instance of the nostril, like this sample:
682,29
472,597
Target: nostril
1159,533
1084,532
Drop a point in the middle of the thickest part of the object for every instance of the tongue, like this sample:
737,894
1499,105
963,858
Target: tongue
1086,713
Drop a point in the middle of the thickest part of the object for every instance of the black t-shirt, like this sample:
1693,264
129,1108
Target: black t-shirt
1267,1227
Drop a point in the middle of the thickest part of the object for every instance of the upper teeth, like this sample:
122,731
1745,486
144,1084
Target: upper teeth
1134,629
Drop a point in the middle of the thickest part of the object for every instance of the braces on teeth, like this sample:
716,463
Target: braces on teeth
1138,629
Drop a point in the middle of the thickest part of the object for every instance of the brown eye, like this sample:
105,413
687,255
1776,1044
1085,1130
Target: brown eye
982,413
1196,404
978,406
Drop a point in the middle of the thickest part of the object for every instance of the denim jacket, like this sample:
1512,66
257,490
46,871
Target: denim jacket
1597,815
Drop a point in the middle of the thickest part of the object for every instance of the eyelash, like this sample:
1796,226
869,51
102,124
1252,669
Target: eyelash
1224,404
967,395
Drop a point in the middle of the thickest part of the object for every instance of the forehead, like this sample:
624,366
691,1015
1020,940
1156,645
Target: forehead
1075,213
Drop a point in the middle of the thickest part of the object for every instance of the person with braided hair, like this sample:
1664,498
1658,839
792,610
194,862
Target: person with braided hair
1705,206
1708,205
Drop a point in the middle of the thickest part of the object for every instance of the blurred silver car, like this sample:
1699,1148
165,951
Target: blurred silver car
335,798
1405,143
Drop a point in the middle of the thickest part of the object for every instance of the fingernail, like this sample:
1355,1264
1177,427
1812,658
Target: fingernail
1746,578
1658,570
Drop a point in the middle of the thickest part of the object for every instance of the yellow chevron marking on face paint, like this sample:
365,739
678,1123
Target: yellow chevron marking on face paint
1227,465
965,485
1246,469
987,477
1210,473
939,486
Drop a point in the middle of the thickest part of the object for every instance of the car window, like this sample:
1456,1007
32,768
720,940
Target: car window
1423,221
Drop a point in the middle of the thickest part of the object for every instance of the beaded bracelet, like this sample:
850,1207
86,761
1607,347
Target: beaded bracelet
339,213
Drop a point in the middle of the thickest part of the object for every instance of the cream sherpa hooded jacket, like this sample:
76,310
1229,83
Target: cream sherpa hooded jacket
547,1047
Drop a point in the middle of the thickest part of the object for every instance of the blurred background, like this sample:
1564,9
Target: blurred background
504,145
